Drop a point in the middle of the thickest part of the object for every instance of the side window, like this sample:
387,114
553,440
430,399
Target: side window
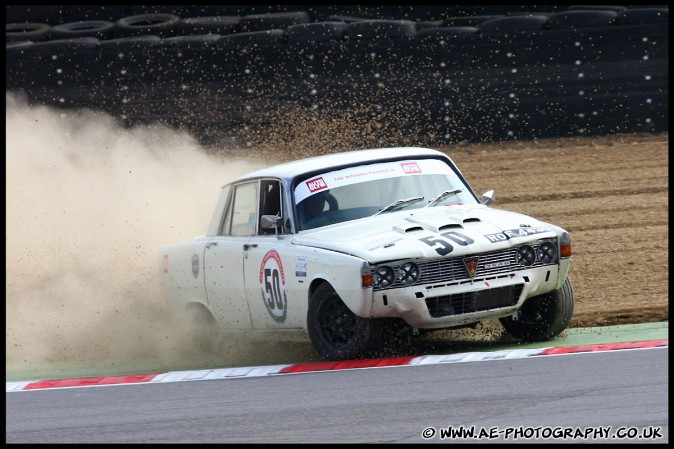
271,203
220,212
241,217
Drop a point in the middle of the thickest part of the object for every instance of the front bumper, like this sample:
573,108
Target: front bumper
465,301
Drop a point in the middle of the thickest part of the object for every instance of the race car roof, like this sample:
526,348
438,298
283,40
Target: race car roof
292,169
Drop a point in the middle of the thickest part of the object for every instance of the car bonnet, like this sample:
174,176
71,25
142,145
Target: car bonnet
414,234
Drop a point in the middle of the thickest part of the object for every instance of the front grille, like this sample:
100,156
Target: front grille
460,303
452,269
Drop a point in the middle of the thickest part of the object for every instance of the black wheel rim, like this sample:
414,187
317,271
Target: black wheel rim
336,322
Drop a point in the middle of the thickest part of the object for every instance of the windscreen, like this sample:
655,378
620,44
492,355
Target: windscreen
365,190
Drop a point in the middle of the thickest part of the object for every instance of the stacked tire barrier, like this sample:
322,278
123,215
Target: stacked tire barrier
437,76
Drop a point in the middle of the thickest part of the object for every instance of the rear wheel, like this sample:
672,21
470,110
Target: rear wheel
543,317
335,331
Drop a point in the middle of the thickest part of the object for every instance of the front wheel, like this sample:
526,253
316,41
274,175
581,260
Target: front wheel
543,317
335,331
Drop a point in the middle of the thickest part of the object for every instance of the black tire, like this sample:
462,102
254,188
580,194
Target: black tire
380,29
345,19
543,317
272,21
581,19
642,16
615,8
26,32
190,41
423,25
468,21
441,32
267,37
59,46
337,333
160,24
101,29
129,43
18,45
209,25
312,32
512,24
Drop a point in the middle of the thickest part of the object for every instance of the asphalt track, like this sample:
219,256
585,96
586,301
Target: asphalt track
573,340
593,385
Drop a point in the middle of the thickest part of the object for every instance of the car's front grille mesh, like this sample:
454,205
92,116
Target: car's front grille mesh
476,301
444,270
452,269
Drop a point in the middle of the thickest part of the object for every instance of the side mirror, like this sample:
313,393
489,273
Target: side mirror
270,222
488,197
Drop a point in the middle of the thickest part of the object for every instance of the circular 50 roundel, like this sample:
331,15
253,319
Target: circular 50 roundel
273,286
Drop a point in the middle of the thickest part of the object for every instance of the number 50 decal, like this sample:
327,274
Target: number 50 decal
272,286
444,247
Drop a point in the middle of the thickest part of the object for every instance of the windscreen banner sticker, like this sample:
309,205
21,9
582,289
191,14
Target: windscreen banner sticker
273,286
370,172
301,266
515,233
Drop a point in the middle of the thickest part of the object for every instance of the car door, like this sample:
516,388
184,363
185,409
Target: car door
273,285
223,258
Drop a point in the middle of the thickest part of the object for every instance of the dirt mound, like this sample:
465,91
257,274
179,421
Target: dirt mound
611,194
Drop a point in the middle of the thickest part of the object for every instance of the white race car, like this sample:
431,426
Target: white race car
358,248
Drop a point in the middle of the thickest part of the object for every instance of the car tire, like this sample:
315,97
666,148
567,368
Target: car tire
272,21
129,43
316,32
160,24
379,29
512,24
543,317
444,32
642,16
101,29
335,331
26,32
208,25
581,19
267,37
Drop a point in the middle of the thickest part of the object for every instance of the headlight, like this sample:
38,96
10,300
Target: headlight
383,276
547,252
526,255
408,273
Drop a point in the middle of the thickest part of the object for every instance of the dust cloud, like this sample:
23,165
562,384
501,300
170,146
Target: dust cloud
88,204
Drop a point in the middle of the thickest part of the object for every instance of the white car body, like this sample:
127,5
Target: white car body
465,265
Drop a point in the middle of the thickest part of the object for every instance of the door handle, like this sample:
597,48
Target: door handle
247,246
209,244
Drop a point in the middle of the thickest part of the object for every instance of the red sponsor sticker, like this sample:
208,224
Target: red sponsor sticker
316,184
410,167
